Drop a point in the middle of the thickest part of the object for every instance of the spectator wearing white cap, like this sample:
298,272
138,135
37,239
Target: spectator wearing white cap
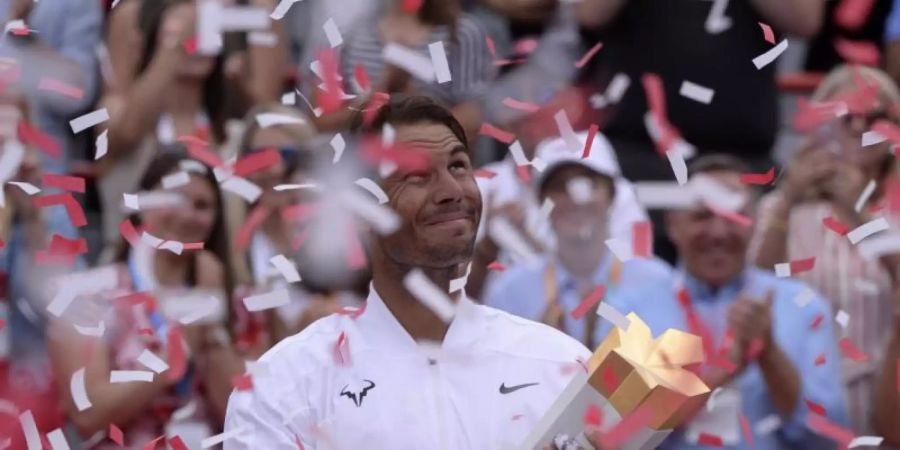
557,289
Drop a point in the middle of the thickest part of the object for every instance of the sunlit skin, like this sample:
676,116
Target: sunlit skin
439,207
712,248
192,221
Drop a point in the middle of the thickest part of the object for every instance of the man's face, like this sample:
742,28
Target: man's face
712,247
581,200
439,207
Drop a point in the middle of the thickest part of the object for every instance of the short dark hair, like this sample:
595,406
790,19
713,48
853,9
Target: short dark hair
717,162
406,110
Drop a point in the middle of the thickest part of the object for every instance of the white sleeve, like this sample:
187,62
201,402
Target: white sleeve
262,424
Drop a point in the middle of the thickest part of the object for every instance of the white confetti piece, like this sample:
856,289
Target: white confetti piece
79,391
266,120
842,318
102,145
262,39
152,362
867,229
872,138
185,412
338,144
373,189
222,437
17,24
518,154
27,188
804,297
208,27
711,403
783,270
712,192
281,9
580,190
145,201
96,331
696,92
566,130
664,195
866,441
243,188
289,98
435,299
175,180
150,240
269,300
296,187
767,425
408,59
384,220
617,87
13,154
388,135
286,268
865,195
439,61
201,312
679,166
622,250
243,18
608,312
877,246
30,429
57,440
332,33
128,376
717,21
175,247
546,208
766,58
866,286
88,120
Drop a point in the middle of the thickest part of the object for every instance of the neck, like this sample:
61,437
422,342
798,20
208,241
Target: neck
581,262
416,318
186,97
169,269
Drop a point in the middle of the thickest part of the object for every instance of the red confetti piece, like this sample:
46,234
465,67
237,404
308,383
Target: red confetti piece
60,87
592,133
768,34
521,106
129,233
190,45
832,224
491,46
587,56
116,435
887,129
257,161
858,52
242,382
2,324
810,116
656,100
523,173
852,14
253,221
851,351
815,407
177,356
816,322
593,416
352,312
525,46
412,6
588,302
32,136
194,245
496,266
735,217
642,239
820,360
362,77
745,429
177,444
73,208
406,158
802,265
484,173
342,351
496,133
299,212
758,178
64,182
835,432
610,380
147,332
199,149
298,442
61,250
709,439
329,99
153,444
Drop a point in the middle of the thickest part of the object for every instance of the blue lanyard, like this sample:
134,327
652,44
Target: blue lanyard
161,330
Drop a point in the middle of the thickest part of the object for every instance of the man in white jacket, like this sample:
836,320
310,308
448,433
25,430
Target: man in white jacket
398,376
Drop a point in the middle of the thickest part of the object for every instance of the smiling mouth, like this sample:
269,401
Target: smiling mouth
449,218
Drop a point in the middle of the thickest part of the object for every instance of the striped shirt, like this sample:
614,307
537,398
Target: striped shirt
470,61
860,287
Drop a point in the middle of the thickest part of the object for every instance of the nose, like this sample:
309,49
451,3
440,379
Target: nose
447,188
719,227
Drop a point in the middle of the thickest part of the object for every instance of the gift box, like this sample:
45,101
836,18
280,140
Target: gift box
630,370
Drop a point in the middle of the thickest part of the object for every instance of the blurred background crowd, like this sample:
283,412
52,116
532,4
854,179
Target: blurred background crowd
164,152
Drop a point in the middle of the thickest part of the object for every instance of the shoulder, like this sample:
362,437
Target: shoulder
210,270
646,270
514,336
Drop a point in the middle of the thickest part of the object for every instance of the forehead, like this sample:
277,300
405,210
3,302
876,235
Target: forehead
427,135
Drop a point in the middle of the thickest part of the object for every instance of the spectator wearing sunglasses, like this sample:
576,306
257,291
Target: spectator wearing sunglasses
302,154
824,181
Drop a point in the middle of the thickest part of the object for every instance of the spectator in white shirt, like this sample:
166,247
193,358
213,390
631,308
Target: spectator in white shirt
368,382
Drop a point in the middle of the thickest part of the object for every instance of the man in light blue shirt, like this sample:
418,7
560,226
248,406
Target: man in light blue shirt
551,288
769,341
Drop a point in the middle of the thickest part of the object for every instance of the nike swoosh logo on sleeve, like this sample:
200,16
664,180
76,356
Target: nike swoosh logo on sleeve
507,390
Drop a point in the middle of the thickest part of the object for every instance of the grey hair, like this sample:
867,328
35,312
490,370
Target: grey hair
843,76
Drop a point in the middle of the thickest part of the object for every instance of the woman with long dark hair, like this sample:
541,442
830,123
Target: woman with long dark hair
165,285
